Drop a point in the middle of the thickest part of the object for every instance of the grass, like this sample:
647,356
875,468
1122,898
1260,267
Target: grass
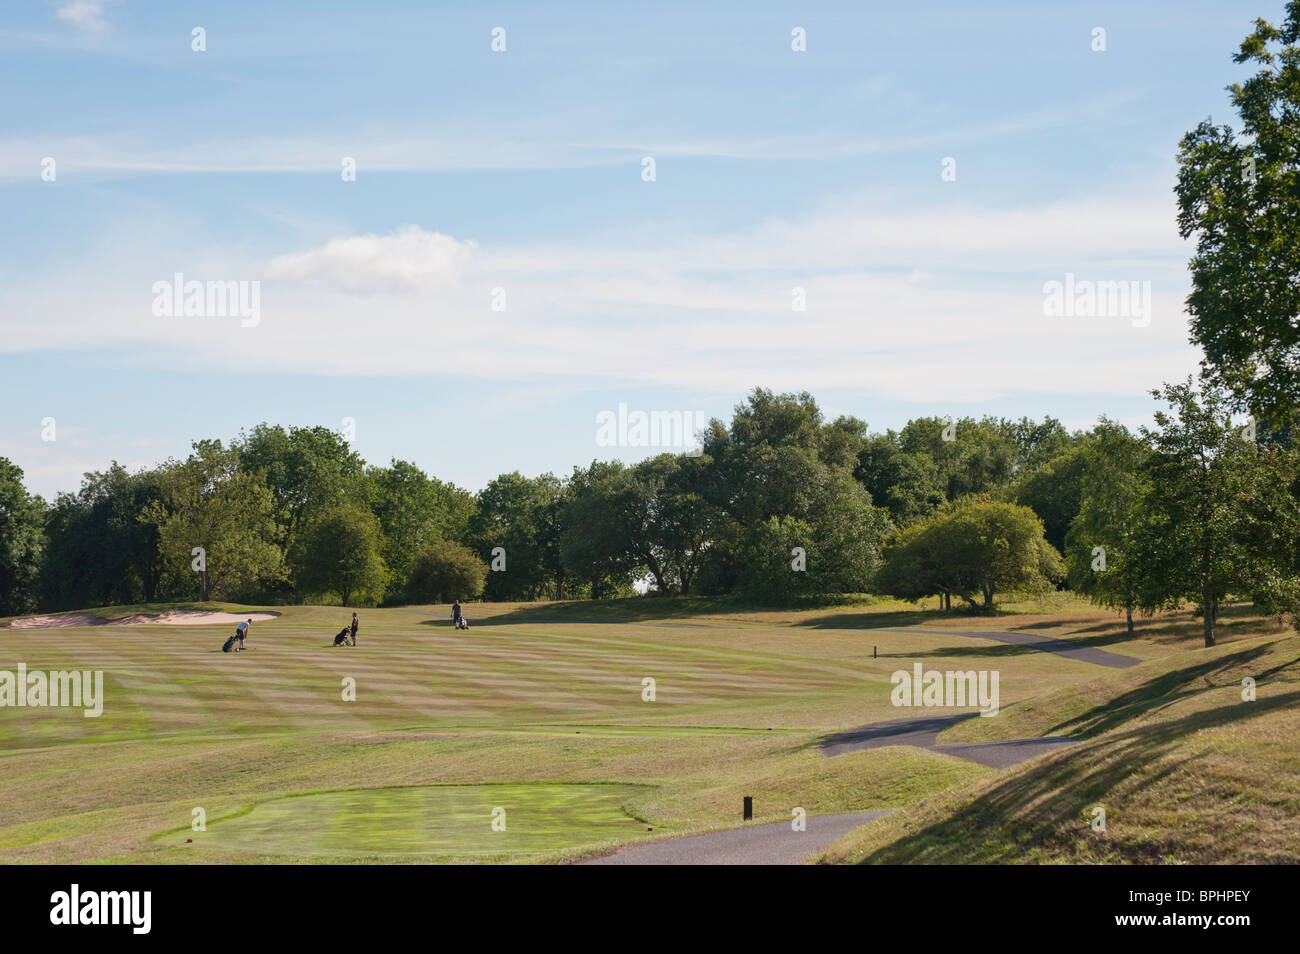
538,709
1187,769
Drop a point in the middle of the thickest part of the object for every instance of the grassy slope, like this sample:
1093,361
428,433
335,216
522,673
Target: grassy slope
1186,769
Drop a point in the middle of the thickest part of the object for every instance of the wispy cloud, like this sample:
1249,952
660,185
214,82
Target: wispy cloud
941,304
84,15
141,152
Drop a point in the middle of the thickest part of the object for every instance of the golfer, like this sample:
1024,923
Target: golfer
455,614
354,629
241,631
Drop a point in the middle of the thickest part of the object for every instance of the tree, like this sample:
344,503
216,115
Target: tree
1099,547
1214,515
414,509
974,546
208,502
1053,492
98,549
649,519
339,552
1239,196
309,470
443,571
516,513
971,457
22,535
905,484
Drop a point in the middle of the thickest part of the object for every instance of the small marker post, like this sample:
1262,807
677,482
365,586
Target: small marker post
749,808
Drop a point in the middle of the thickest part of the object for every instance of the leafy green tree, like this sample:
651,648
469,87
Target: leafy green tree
648,519
836,552
1239,196
22,538
1053,492
1208,508
1037,443
340,552
971,457
767,562
207,501
98,549
414,509
517,514
974,546
906,485
309,470
1099,546
445,570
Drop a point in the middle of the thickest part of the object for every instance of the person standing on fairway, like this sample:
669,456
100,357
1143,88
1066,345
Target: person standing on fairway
354,629
455,614
241,631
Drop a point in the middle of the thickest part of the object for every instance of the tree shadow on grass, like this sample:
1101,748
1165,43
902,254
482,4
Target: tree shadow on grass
631,610
1234,620
1163,691
893,619
1061,790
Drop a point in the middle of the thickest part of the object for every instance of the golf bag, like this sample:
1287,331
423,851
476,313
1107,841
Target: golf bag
344,638
462,622
229,645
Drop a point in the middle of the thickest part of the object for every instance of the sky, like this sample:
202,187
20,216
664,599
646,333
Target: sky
464,256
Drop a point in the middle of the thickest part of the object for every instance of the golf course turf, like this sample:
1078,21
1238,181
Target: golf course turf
543,712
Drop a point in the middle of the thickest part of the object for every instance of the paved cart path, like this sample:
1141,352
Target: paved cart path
772,844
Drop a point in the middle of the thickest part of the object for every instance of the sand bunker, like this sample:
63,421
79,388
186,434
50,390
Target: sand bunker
169,618
60,621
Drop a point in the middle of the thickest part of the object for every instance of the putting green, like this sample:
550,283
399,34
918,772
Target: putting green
442,821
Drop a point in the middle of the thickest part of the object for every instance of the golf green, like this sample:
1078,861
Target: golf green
441,821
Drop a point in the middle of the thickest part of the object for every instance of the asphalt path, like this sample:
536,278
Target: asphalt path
776,843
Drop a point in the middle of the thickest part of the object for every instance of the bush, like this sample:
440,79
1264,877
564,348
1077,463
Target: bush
444,571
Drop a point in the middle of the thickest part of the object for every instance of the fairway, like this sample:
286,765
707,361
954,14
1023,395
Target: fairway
543,711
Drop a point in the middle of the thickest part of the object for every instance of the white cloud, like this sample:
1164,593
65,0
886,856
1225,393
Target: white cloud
408,260
84,14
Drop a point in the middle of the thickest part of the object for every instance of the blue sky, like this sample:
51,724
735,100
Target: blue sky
522,170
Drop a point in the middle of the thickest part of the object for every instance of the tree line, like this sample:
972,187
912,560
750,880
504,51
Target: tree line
780,505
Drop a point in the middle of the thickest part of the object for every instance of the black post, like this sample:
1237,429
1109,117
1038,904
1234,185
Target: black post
873,652
749,808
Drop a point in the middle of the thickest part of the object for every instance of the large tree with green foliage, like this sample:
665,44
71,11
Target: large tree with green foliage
518,514
1053,491
1239,197
22,537
309,470
1215,513
1099,547
208,501
414,509
98,549
971,547
649,519
340,552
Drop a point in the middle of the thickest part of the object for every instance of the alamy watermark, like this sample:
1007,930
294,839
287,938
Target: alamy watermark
624,428
1088,299
944,690
57,688
194,299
